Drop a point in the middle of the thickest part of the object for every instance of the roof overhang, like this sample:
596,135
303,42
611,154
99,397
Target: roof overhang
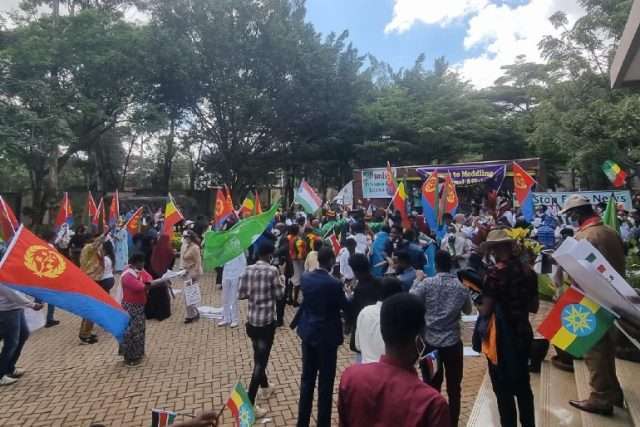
625,69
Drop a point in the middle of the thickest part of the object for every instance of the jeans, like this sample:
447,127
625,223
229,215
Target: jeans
230,312
318,361
14,333
262,341
50,311
449,365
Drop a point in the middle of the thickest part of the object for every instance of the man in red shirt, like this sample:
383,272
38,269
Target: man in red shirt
390,392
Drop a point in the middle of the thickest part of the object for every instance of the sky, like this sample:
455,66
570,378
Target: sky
476,37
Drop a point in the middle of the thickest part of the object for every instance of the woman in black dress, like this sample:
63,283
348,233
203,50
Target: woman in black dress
158,304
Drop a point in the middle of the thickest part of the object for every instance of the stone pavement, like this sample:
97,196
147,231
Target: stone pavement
189,368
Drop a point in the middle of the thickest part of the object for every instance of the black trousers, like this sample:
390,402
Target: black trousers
449,366
317,362
514,386
262,341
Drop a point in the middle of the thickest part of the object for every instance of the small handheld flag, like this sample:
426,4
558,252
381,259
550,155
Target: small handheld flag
172,216
114,210
307,198
133,225
31,266
65,214
241,407
162,418
576,323
523,184
614,172
335,243
8,222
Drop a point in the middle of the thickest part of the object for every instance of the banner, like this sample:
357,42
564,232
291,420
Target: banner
467,174
374,184
557,199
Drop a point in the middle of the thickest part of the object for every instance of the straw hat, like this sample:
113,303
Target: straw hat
575,201
498,236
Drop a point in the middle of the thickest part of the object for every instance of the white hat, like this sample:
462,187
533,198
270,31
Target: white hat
575,201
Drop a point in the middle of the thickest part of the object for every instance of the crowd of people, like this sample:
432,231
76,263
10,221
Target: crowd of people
397,292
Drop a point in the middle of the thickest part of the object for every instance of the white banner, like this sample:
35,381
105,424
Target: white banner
557,199
374,184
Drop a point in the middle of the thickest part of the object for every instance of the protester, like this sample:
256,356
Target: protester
92,263
349,249
311,263
388,392
13,332
260,284
297,254
77,242
444,298
135,285
50,237
458,246
362,240
366,292
121,246
380,251
230,277
403,269
107,280
368,338
192,263
509,294
163,256
320,328
600,360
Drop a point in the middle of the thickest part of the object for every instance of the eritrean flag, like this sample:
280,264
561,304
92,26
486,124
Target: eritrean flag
8,222
615,173
241,407
162,418
92,210
133,225
448,199
576,323
430,200
392,185
223,210
523,187
172,216
33,267
114,210
65,214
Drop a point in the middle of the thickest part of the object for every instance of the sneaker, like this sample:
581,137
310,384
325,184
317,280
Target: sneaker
17,373
6,380
52,323
90,340
133,363
260,412
221,324
266,393
234,325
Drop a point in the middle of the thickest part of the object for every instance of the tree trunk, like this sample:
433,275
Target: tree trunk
123,183
168,158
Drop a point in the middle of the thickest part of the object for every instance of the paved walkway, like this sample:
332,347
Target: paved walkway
188,368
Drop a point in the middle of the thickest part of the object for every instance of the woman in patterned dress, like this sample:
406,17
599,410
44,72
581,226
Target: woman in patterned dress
135,285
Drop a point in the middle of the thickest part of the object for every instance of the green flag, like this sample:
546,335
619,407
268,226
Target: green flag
610,216
223,246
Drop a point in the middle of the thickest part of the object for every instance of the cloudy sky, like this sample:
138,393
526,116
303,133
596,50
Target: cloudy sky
476,36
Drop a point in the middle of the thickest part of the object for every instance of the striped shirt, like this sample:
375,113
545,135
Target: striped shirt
260,284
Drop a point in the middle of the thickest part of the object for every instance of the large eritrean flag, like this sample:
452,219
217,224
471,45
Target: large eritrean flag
448,199
92,210
576,323
172,216
133,224
523,186
31,266
241,407
224,209
8,221
615,173
114,210
430,200
307,198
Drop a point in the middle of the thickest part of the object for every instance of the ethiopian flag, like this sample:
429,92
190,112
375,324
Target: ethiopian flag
241,407
576,323
172,216
615,173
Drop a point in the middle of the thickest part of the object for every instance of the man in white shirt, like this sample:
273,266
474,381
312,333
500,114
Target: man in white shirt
349,249
13,332
368,336
458,246
230,279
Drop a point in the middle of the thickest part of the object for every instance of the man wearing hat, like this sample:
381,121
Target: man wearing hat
600,360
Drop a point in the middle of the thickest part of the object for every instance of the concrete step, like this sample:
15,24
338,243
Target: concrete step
556,388
620,418
629,377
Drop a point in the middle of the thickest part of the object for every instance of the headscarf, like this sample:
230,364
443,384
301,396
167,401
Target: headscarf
162,255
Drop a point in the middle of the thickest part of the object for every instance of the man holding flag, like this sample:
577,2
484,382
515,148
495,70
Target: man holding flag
600,360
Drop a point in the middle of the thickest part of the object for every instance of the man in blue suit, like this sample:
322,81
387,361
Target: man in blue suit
320,328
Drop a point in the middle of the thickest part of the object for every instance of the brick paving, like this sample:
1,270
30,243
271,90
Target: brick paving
189,368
